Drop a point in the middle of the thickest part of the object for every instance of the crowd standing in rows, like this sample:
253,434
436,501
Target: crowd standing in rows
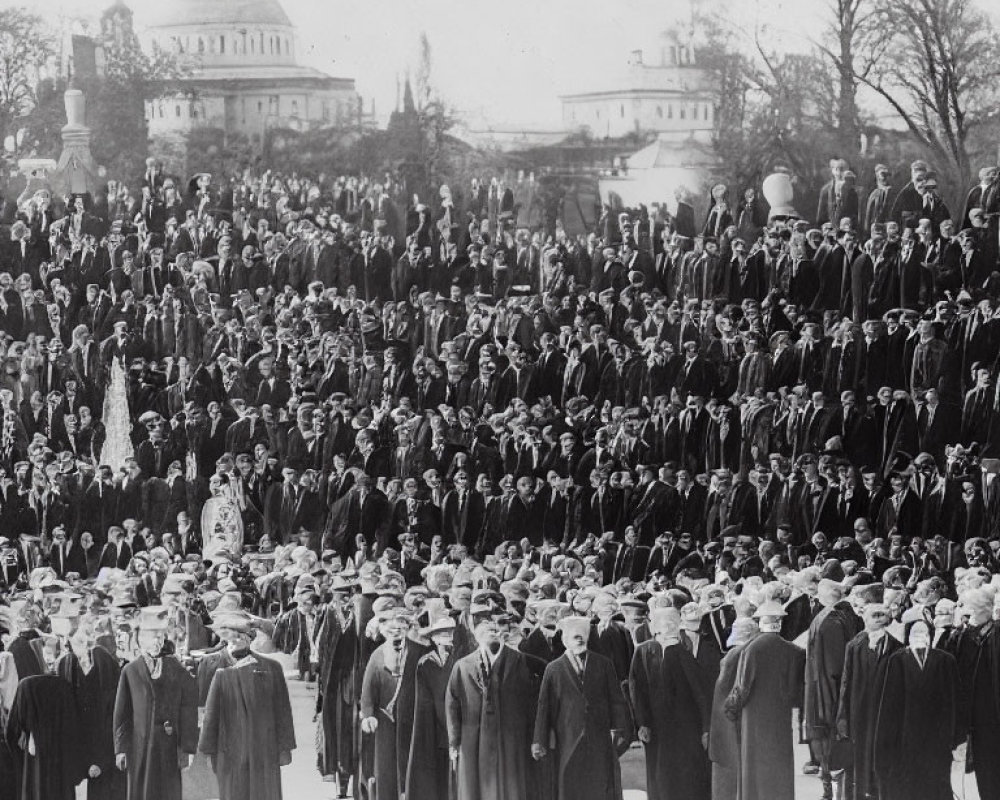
515,499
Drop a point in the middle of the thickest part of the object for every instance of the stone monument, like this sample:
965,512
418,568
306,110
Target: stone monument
76,172
779,193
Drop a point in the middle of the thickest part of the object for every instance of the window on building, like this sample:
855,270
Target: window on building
277,41
295,108
260,106
253,46
201,45
262,42
598,113
673,54
177,111
288,49
621,111
222,45
659,112
683,112
243,109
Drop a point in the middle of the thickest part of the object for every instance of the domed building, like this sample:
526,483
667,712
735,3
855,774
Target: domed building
244,74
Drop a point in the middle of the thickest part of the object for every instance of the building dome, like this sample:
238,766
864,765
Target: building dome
235,13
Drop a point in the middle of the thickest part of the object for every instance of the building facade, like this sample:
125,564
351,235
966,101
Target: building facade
244,75
662,90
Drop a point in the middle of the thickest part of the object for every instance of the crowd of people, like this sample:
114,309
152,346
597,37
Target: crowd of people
516,499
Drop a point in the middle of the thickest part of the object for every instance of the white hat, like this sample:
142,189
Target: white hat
154,618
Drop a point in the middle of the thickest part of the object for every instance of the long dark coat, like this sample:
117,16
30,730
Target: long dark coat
491,725
979,660
44,710
723,740
142,708
95,693
582,713
916,725
668,697
248,724
859,695
768,686
389,698
427,773
830,631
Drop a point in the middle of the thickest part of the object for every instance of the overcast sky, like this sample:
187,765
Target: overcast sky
506,62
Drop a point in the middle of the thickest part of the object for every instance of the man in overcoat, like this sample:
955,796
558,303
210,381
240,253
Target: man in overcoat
156,715
490,705
828,635
581,703
247,731
672,711
768,686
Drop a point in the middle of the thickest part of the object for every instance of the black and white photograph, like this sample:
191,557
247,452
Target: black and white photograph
546,400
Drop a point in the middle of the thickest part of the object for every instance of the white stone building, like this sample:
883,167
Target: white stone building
245,77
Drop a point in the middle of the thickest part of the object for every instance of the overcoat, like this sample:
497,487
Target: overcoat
916,725
427,771
144,709
582,712
768,685
668,697
44,713
247,725
830,631
723,740
95,693
490,722
859,694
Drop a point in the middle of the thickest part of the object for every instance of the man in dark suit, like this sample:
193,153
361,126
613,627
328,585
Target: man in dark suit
609,273
683,218
361,517
462,513
116,553
878,205
938,425
838,198
909,203
654,508
272,390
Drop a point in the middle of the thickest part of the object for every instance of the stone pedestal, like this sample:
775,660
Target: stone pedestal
76,172
779,193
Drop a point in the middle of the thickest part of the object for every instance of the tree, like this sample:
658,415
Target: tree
854,44
939,73
773,109
25,47
131,78
435,118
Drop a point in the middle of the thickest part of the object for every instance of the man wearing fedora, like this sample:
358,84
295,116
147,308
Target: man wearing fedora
247,731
